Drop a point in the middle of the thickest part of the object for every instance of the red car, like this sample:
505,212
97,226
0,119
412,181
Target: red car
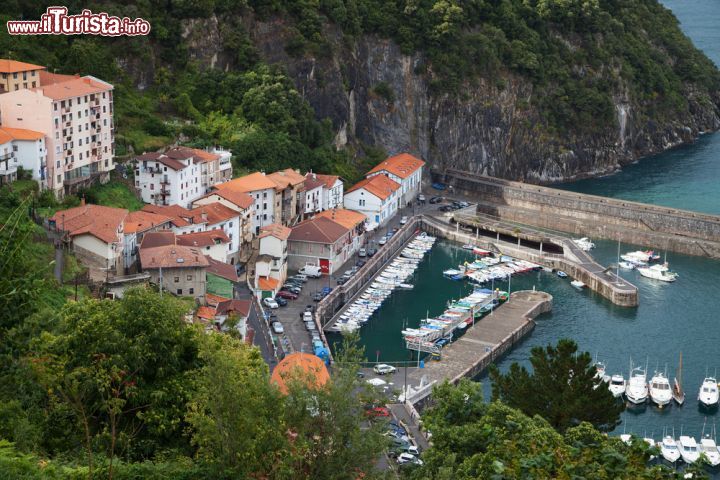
378,412
287,295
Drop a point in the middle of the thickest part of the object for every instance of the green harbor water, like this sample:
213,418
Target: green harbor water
680,317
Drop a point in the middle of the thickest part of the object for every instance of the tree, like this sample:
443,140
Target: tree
562,388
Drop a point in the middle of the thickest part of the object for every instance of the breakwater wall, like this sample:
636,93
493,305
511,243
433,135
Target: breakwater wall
663,228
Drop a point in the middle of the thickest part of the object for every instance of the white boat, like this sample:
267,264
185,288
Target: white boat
626,265
709,448
658,272
584,243
626,438
669,449
405,286
660,391
467,246
651,443
689,450
577,284
708,394
637,389
600,372
561,274
617,385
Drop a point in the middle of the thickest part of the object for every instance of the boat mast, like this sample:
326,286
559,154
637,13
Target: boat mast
617,265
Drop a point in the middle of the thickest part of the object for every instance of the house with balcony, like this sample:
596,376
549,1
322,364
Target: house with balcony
137,225
271,264
240,202
333,189
266,210
22,148
288,182
162,180
355,222
212,243
313,196
404,169
377,197
214,165
319,241
75,114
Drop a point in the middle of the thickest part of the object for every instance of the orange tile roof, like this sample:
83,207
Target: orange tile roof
242,200
199,156
158,239
203,239
208,313
141,221
214,300
329,180
238,306
276,230
96,220
172,256
46,78
248,183
305,367
215,212
346,218
286,178
312,181
318,230
402,165
268,283
379,185
13,66
179,216
74,88
7,134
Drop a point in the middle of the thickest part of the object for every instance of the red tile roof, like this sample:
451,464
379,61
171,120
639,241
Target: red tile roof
203,239
172,256
179,216
248,183
238,306
347,218
198,156
268,283
13,66
402,165
318,230
7,134
96,220
380,185
157,239
141,221
329,180
207,313
214,300
74,88
276,230
222,269
312,181
286,178
242,200
215,212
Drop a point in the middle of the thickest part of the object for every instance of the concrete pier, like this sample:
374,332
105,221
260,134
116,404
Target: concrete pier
481,345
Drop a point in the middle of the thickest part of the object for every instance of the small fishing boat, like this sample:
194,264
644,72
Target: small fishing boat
708,394
406,286
678,392
617,385
689,450
626,265
467,246
584,243
561,274
637,388
669,449
658,272
577,284
660,391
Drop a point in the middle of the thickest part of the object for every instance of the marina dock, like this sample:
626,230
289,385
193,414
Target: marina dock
483,343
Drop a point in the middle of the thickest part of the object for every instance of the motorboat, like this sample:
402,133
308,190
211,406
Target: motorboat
617,385
468,246
577,284
626,438
660,391
600,372
669,449
658,272
709,448
637,389
626,265
689,450
708,394
584,243
561,274
651,443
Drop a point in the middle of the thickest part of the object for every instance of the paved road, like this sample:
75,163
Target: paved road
262,335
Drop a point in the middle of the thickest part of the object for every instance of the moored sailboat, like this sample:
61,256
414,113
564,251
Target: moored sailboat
678,393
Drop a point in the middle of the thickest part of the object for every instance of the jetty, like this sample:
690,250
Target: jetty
482,344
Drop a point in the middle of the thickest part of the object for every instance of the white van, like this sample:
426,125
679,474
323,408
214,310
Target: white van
312,271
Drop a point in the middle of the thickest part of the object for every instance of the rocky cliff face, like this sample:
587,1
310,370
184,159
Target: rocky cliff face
487,129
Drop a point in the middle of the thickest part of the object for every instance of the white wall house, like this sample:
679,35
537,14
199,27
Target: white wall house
404,169
162,180
22,148
332,195
313,194
218,216
376,197
262,191
242,203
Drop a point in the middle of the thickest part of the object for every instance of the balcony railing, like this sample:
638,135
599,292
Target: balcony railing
6,156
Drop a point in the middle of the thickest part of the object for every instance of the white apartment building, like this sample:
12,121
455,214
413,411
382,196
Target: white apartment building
377,198
312,203
76,116
162,180
22,148
262,191
332,194
404,169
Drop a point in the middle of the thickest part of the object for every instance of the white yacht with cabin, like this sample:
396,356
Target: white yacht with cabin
660,391
637,388
708,394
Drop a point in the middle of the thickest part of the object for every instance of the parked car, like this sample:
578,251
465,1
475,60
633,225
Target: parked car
287,295
421,198
437,199
299,277
360,263
341,280
270,302
383,369
382,241
438,186
316,338
407,458
403,220
371,252
278,328
326,290
312,271
290,288
281,301
318,297
464,204
310,326
413,450
362,252
446,208
307,316
378,412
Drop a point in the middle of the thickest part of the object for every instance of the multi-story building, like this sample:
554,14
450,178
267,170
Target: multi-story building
176,269
271,263
224,164
76,116
312,201
182,220
22,148
288,183
137,225
215,166
163,180
16,75
332,195
319,241
377,197
404,169
262,190
242,203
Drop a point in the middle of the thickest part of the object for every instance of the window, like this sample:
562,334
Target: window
179,291
24,75
231,227
264,194
54,104
177,279
189,278
191,291
265,216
